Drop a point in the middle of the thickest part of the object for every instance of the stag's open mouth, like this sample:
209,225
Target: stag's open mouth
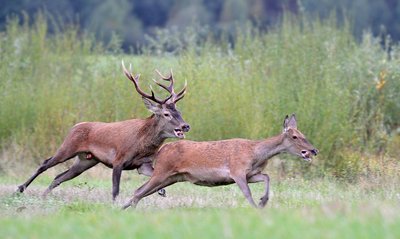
179,133
307,159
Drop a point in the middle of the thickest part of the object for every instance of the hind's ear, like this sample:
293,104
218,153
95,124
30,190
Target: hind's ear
285,123
292,122
289,122
152,106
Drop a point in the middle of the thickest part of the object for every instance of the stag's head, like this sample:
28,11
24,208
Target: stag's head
170,119
295,142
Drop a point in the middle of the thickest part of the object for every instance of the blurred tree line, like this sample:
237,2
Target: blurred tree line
132,20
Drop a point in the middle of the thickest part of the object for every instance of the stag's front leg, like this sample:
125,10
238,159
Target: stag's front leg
261,178
116,178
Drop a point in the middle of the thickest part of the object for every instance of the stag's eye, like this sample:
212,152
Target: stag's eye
294,137
167,115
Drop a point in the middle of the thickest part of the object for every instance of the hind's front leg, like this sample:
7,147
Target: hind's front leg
147,169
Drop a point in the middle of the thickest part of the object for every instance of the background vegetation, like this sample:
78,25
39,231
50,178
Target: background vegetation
346,93
135,20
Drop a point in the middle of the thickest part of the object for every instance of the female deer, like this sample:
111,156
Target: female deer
215,163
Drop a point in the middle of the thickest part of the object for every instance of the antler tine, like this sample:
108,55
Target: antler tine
169,88
129,75
136,83
181,94
175,97
165,78
171,75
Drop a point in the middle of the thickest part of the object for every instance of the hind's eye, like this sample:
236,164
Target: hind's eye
166,114
294,137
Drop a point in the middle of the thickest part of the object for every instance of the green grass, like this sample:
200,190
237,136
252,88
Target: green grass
202,223
298,209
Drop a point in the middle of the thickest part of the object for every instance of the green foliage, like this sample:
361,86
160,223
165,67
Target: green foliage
133,19
345,94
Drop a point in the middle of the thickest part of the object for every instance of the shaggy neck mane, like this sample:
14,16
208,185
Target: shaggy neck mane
150,132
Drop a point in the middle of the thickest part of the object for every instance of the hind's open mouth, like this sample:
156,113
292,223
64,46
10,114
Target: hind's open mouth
306,156
179,133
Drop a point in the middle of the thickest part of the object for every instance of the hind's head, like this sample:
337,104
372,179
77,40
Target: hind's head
295,142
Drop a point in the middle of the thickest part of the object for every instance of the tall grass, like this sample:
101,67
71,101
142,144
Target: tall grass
346,94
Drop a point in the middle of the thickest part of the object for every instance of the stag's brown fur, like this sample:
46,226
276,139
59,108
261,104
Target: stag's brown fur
223,162
124,145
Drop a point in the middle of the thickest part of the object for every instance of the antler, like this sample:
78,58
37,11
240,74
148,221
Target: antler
175,97
135,79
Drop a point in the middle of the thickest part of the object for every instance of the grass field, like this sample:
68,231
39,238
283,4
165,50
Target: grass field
298,208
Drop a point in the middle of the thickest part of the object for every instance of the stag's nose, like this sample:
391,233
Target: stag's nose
314,151
186,128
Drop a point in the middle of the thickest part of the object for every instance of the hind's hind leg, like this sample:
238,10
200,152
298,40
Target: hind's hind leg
80,165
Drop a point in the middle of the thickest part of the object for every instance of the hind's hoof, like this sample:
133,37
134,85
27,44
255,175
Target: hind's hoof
162,192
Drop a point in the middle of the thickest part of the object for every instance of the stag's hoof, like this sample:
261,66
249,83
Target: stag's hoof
162,192
21,189
44,195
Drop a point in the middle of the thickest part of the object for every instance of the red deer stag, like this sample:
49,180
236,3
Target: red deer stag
215,163
124,145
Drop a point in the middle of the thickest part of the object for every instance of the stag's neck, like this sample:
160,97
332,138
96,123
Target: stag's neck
151,132
270,147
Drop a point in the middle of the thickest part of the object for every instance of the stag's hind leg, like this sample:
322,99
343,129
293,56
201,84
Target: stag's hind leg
80,165
59,157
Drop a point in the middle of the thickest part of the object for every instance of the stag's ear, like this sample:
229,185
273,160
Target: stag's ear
152,106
